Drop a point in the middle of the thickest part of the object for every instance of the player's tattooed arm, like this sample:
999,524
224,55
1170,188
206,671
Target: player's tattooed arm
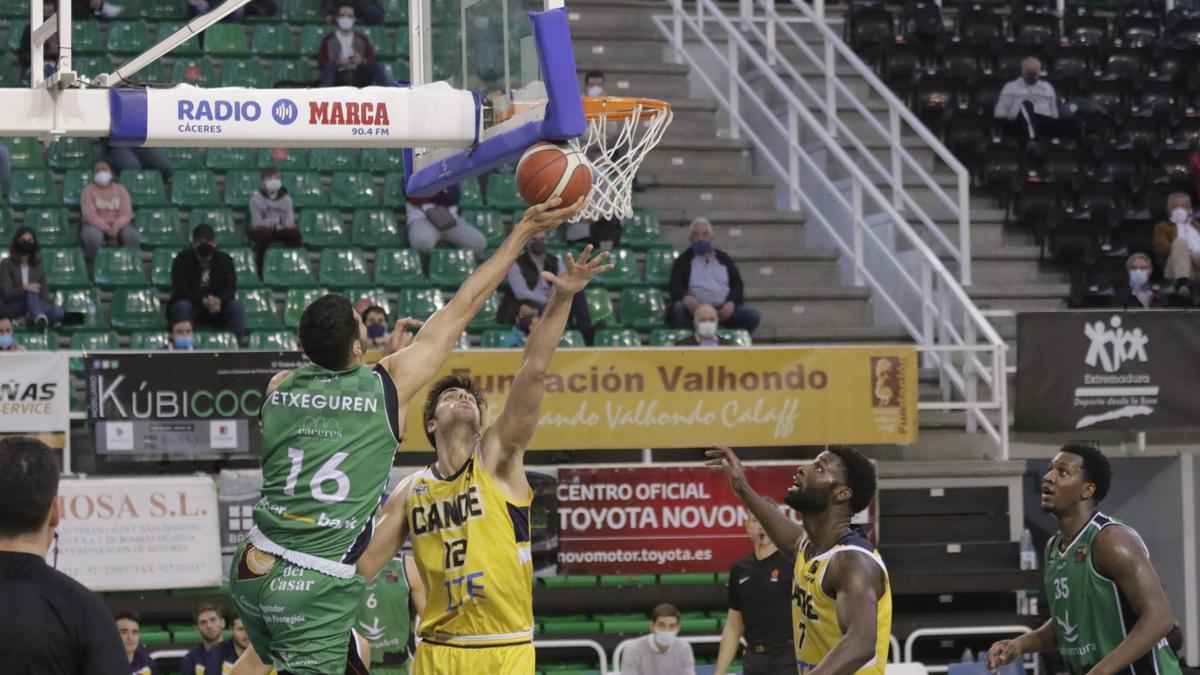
391,529
785,533
856,581
1119,554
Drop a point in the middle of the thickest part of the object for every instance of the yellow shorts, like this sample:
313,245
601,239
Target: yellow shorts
440,659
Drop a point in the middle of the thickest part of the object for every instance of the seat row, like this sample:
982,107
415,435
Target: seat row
291,12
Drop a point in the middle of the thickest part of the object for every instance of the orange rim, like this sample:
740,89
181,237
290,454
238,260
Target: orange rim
622,107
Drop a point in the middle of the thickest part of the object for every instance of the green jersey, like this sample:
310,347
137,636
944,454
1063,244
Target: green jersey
385,617
329,438
1089,614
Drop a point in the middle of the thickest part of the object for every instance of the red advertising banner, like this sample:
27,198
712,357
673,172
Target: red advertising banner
660,520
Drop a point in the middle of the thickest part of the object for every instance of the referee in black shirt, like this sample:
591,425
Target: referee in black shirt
51,624
760,609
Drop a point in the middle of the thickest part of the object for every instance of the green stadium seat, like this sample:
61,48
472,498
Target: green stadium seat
302,11
666,337
380,40
626,580
322,227
642,230
185,158
617,338
194,71
659,262
493,339
376,228
272,40
86,38
183,633
159,227
16,29
295,302
145,188
35,341
228,233
419,303
327,160
119,267
33,188
154,73
74,180
490,223
15,9
502,192
65,267
393,189
382,160
486,318
305,188
26,152
572,339
280,339
52,226
148,340
698,625
136,309
160,267
91,66
449,267
396,13
624,274
231,159
287,268
686,579
70,152
128,37
643,308
7,227
195,188
223,40
85,301
310,40
8,74
260,308
600,307
553,628
354,190
216,341
161,10
344,268
239,186
289,69
738,336
605,617
377,296
244,73
399,268
471,196
244,265
94,341
571,581
285,159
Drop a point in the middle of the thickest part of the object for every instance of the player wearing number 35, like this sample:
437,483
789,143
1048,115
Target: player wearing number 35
330,431
1108,611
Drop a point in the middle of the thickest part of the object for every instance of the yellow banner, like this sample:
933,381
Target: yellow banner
667,398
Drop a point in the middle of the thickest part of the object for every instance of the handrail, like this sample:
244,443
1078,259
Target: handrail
940,298
1012,629
566,644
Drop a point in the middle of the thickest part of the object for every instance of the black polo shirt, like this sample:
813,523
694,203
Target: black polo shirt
762,591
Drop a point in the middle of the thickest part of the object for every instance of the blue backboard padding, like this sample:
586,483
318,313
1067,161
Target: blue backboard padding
127,117
564,114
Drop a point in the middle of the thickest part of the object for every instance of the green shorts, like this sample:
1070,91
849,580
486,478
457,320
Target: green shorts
298,618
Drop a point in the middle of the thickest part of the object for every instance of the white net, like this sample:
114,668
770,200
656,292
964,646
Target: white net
621,132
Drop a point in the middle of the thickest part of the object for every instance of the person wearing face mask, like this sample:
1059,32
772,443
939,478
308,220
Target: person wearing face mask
1140,294
704,334
204,284
527,284
7,342
528,316
347,58
704,274
180,336
23,285
106,212
272,218
1029,104
1177,242
661,652
376,321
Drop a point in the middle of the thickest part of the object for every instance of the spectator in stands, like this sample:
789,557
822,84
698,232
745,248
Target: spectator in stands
1029,105
760,610
5,170
129,625
436,219
23,284
106,212
528,316
347,57
526,283
1177,242
224,654
661,652
369,12
7,343
1138,294
211,626
180,336
97,9
51,625
271,216
203,285
705,332
593,83
376,321
704,274
137,159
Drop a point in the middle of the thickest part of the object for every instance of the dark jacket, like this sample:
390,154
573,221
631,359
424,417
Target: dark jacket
185,277
10,281
506,314
681,273
691,341
331,49
1123,297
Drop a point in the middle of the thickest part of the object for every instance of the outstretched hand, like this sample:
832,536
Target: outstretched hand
547,216
579,272
400,337
722,460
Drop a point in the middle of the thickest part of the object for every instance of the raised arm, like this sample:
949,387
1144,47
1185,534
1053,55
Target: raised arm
412,367
784,533
857,582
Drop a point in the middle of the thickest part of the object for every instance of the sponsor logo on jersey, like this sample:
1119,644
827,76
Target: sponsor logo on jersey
254,564
319,427
1081,553
1068,629
774,576
447,514
349,113
804,602
421,488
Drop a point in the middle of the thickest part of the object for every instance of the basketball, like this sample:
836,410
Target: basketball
548,170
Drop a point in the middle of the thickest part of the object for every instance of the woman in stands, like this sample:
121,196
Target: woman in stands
23,287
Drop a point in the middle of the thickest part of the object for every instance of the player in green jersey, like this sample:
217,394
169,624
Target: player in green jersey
384,619
1108,612
330,431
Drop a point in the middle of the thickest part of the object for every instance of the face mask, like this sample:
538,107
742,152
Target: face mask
27,247
595,90
1030,78
345,22
664,638
1138,277
272,184
525,324
103,178
183,342
537,248
6,340
706,329
204,250
702,247
376,331
1180,216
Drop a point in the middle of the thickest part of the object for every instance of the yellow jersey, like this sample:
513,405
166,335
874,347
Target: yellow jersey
471,546
814,613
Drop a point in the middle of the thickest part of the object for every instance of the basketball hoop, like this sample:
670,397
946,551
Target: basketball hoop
621,131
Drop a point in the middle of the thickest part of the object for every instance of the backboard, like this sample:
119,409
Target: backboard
515,56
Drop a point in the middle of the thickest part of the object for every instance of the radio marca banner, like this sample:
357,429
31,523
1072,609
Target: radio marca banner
661,398
34,395
139,533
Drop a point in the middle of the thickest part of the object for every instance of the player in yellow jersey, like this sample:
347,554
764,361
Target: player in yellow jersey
468,512
841,595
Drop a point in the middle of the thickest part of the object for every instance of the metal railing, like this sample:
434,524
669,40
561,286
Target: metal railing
1014,630
910,285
